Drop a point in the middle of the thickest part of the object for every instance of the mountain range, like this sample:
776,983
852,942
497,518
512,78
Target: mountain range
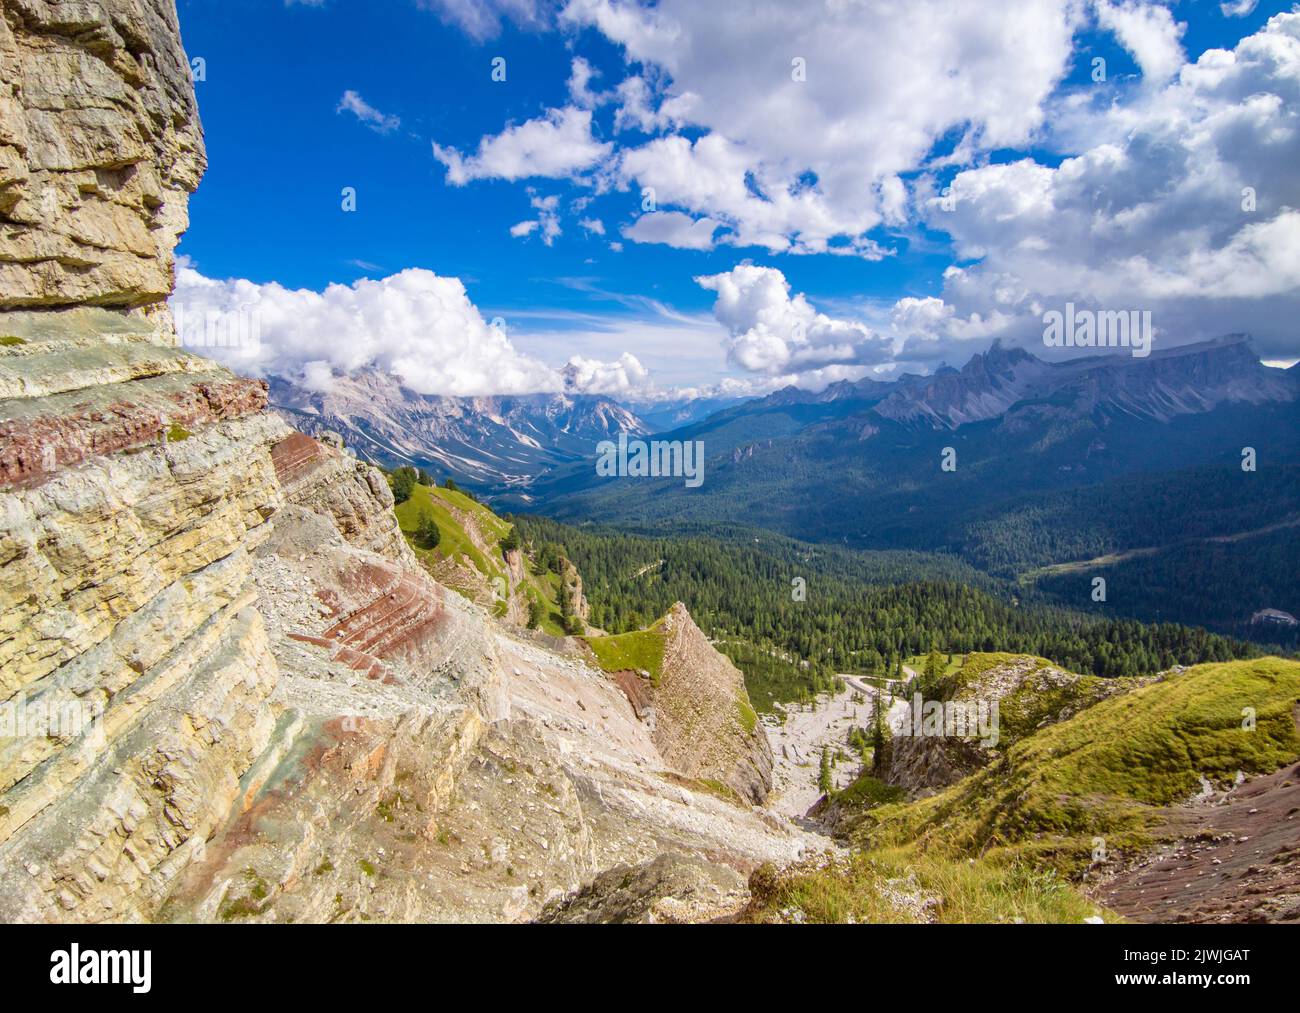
1044,473
494,443
1039,472
501,443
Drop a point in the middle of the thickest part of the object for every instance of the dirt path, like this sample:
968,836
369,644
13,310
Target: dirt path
798,742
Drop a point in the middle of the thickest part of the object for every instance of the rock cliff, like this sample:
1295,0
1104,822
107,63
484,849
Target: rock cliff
100,147
228,690
704,722
1029,693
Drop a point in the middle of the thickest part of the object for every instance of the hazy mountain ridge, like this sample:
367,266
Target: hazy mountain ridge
1052,463
1005,379
497,441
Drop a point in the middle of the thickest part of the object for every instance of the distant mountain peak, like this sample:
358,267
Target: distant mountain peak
489,442
998,356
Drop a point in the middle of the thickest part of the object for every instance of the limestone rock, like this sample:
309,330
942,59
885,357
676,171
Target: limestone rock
355,496
100,148
705,726
228,691
673,888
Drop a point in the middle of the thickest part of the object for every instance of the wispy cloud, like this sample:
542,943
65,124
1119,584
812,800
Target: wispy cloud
482,19
1238,8
353,103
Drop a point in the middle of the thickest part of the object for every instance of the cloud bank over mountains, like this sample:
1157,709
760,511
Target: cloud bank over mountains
858,130
416,325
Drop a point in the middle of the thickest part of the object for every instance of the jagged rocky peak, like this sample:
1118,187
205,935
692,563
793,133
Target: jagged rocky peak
999,358
494,441
1174,381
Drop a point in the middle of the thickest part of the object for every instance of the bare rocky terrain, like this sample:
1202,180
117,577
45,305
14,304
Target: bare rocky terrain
804,730
1234,857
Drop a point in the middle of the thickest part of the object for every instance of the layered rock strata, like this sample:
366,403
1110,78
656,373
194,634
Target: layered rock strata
228,691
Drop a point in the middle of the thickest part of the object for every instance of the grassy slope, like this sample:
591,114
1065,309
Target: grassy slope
861,887
456,544
1105,771
1022,712
1003,843
642,650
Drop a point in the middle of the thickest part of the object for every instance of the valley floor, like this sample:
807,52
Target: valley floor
798,741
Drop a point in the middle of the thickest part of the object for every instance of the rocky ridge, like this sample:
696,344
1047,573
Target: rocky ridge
704,723
100,147
1030,694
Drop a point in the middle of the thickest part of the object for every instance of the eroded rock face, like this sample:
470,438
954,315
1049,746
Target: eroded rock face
136,669
353,495
705,725
673,888
100,148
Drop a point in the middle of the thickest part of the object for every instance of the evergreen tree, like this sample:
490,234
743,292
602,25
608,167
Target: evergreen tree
403,483
428,533
934,669
825,779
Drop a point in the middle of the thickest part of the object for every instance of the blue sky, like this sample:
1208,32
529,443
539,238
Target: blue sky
300,100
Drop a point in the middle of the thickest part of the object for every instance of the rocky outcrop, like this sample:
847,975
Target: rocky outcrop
1029,693
674,888
128,628
136,481
571,588
100,147
705,726
353,495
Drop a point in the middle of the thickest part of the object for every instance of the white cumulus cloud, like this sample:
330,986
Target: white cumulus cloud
415,325
805,116
774,333
557,146
1186,203
672,228
1149,32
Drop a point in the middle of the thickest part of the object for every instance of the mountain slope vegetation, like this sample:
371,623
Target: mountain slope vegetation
1050,465
861,611
1016,839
